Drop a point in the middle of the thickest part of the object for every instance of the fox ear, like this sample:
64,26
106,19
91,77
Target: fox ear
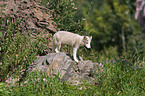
90,37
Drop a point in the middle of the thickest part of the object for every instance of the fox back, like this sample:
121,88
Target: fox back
64,37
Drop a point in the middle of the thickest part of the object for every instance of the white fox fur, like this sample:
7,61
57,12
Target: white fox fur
62,38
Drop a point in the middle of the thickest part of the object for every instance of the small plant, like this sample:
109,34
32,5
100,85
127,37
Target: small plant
20,50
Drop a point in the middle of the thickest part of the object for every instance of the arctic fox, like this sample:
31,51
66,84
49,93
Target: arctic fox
62,38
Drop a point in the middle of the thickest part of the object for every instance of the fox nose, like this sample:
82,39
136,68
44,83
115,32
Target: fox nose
89,47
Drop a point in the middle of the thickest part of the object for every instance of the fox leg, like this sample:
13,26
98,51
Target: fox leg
71,51
74,54
56,50
61,49
58,46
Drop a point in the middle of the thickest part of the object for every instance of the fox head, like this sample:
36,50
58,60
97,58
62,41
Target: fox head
87,41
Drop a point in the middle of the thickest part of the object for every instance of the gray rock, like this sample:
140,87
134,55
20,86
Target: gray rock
67,69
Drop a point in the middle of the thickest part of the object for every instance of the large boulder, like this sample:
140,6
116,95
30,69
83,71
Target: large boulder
67,69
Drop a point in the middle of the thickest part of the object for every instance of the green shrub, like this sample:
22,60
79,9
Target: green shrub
20,50
64,14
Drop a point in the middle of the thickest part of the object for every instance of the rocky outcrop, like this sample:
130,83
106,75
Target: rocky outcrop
29,15
67,69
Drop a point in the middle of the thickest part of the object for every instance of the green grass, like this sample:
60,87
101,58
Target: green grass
119,77
19,50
